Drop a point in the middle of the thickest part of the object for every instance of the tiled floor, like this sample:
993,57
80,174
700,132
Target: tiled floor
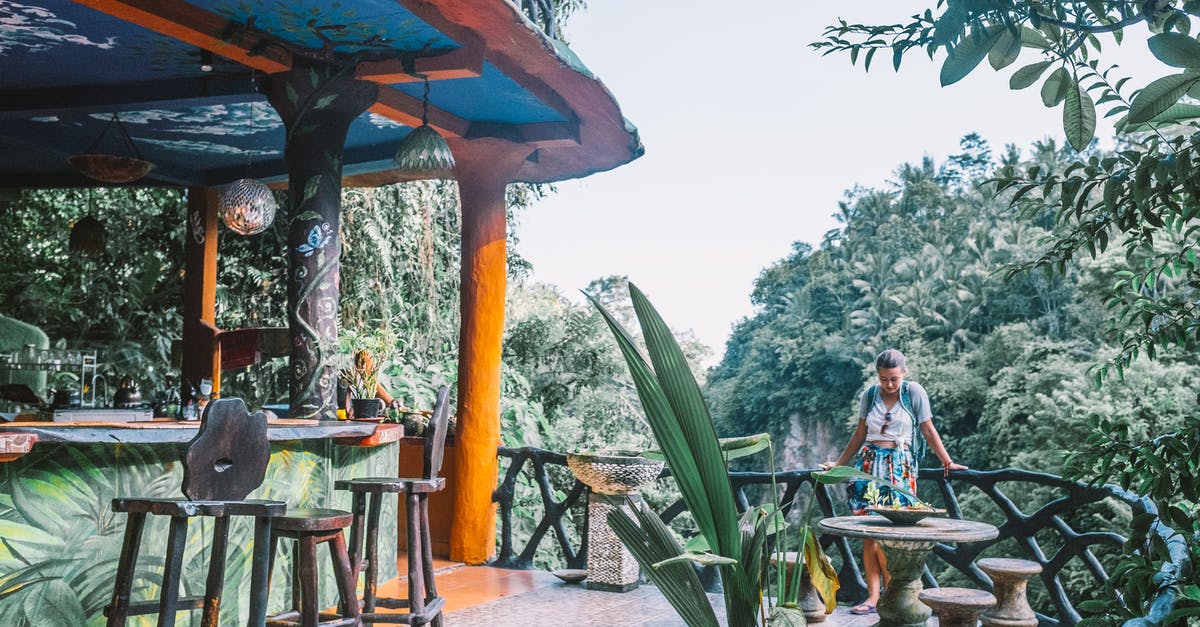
478,595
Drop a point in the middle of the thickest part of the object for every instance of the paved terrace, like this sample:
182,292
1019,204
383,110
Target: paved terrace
481,596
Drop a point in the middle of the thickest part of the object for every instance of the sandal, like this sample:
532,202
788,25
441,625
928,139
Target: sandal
862,609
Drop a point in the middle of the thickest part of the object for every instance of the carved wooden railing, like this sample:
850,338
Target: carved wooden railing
1019,526
552,509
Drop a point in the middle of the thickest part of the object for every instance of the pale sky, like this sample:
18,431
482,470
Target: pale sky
751,139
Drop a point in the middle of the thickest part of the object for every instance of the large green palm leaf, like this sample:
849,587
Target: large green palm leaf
681,423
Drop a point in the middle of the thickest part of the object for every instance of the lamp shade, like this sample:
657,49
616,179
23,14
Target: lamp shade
247,206
424,150
87,236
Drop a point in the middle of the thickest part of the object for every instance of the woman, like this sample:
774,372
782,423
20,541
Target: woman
887,416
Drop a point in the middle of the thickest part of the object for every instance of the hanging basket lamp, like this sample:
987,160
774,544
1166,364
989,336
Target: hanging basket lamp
108,168
424,150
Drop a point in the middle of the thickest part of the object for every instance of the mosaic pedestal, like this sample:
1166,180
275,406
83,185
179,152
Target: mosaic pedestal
611,567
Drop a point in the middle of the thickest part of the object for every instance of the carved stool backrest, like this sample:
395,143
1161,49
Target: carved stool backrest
228,457
435,440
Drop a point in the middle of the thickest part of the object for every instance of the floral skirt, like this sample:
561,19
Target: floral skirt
894,466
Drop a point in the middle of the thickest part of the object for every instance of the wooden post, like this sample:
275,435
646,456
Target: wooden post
317,103
484,170
200,357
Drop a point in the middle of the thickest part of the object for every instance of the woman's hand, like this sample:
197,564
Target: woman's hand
952,466
828,465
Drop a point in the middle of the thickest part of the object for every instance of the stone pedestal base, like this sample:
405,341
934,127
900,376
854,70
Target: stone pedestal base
899,606
611,567
1009,581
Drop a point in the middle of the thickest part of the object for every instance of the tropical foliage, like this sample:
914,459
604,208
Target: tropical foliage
1142,199
921,265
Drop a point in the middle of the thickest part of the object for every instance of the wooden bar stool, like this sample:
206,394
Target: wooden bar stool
1010,579
221,465
957,607
309,528
423,603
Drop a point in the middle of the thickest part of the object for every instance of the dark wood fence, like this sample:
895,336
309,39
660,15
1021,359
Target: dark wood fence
1041,532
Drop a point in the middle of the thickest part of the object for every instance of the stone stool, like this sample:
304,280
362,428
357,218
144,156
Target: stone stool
957,607
1009,579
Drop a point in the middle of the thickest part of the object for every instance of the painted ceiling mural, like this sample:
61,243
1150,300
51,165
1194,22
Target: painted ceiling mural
207,125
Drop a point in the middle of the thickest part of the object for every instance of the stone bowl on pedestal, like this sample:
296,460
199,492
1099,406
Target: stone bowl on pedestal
613,472
614,478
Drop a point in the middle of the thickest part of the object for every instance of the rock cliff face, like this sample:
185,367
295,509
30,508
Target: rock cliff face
808,444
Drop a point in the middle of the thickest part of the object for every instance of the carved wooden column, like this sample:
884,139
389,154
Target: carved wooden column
317,103
484,170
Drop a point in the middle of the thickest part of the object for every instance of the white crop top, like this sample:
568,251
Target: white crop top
900,427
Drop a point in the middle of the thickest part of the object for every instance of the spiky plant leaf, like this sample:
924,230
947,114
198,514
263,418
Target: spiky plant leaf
666,430
741,446
693,420
838,474
703,559
651,542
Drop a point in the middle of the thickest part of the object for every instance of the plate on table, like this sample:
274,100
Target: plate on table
906,516
571,575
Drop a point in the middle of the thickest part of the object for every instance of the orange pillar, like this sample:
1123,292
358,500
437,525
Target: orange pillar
200,359
484,170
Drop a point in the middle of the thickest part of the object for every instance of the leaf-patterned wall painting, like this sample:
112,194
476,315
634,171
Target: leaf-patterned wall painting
60,540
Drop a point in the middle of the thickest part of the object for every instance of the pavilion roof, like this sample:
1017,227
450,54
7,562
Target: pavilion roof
66,67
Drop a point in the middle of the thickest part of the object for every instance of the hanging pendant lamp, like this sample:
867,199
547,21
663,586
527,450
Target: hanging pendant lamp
424,151
112,168
87,234
247,206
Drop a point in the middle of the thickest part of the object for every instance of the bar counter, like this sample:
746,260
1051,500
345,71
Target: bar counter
61,537
167,431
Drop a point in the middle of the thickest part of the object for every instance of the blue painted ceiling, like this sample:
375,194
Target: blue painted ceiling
204,127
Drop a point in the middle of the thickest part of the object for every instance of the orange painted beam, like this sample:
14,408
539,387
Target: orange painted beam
201,356
193,25
483,172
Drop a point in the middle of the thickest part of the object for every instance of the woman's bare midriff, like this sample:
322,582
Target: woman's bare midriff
883,444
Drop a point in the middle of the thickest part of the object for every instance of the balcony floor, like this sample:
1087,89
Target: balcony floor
481,595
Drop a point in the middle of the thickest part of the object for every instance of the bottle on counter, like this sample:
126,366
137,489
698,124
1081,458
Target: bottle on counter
171,398
204,397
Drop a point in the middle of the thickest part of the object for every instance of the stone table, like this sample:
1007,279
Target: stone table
906,547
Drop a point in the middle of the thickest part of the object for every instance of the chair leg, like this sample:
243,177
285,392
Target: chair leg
371,581
427,556
260,572
216,573
307,560
118,608
168,603
343,572
416,572
358,507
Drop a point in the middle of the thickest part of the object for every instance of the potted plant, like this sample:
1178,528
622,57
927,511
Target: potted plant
361,380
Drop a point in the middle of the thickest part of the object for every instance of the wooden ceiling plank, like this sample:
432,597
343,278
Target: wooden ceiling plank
465,61
405,109
193,25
